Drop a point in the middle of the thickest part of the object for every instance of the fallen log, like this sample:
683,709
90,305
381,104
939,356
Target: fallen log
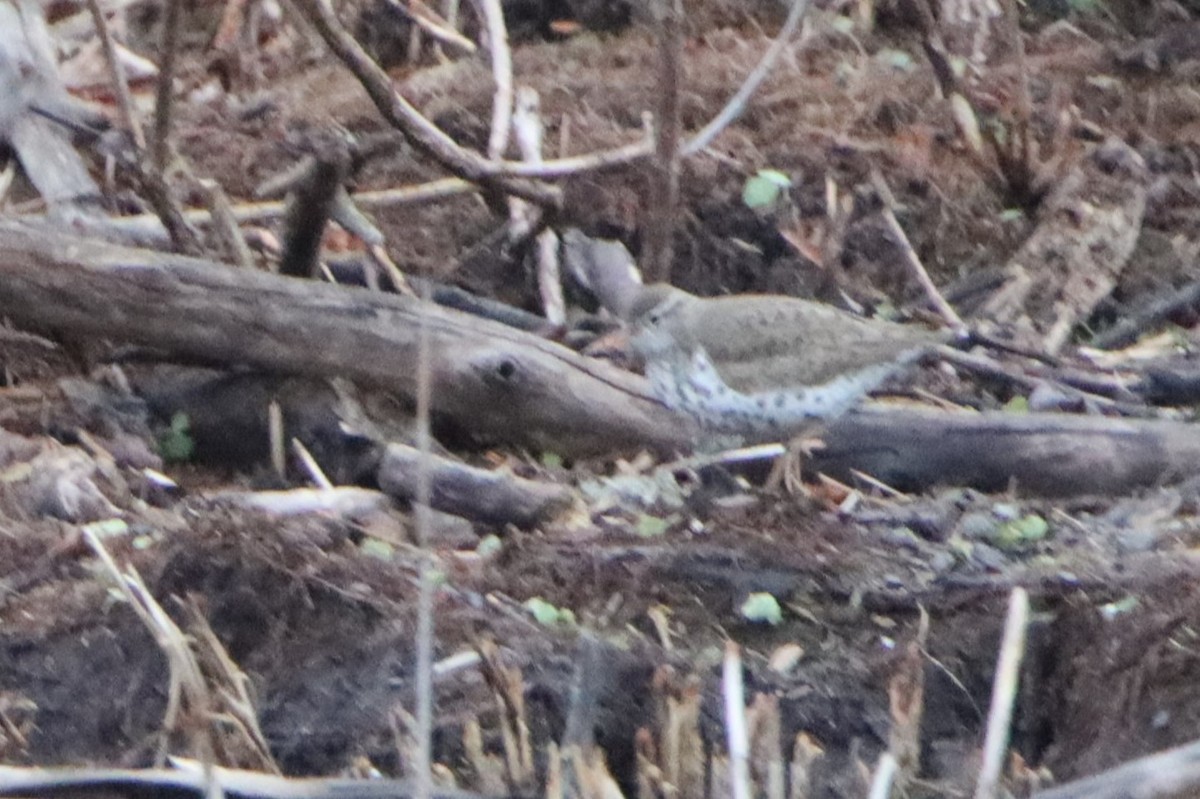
1046,454
509,386
494,381
492,497
1170,773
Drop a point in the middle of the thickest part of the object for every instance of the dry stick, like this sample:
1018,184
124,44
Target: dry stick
1128,329
733,109
1024,100
502,73
943,308
381,258
225,224
166,80
885,774
275,439
1162,775
663,195
315,472
424,524
187,779
736,736
401,114
186,681
442,30
988,367
1004,690
527,124
471,167
450,14
116,73
6,177
522,217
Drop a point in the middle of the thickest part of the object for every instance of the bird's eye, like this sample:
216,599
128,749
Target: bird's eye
654,318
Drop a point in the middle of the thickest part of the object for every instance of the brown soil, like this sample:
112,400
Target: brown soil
325,629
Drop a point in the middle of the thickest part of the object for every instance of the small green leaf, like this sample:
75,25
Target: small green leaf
1012,215
780,179
375,548
489,545
176,444
652,526
1021,532
896,59
763,190
1017,404
552,460
1119,608
842,24
108,528
546,614
762,607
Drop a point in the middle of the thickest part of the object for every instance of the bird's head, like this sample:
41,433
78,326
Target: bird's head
649,320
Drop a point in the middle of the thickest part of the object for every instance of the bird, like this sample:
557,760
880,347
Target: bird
759,366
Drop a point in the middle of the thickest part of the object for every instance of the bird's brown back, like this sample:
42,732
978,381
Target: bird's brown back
764,342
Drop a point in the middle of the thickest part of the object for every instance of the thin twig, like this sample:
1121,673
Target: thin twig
1004,691
381,258
116,72
502,73
1157,312
226,224
663,195
166,85
527,124
565,167
414,125
944,309
737,737
885,773
275,439
187,691
423,685
737,104
442,30
315,472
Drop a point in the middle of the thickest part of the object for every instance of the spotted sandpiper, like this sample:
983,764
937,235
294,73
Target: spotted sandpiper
758,366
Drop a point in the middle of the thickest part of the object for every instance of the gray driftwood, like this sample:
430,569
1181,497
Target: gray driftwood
29,77
488,496
1039,453
516,388
193,782
1162,775
496,382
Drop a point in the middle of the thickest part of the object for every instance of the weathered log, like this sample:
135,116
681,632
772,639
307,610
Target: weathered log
491,380
1046,454
514,387
1170,773
192,781
492,497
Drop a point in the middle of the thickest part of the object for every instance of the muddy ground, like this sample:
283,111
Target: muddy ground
323,623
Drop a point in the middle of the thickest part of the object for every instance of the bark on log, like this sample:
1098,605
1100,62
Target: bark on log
1047,454
1162,775
490,379
492,497
517,388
